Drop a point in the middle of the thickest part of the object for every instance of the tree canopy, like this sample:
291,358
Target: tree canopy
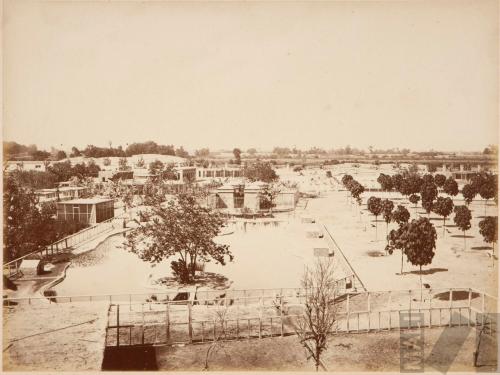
260,171
179,228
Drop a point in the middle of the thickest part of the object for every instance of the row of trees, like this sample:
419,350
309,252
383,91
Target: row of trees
56,173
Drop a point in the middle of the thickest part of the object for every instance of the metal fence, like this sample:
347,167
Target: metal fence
12,268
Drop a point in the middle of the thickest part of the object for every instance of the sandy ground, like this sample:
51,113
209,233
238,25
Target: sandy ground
55,337
444,350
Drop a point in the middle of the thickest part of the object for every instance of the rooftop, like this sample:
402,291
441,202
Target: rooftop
87,201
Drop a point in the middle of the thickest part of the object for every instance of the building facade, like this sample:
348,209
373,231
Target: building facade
89,211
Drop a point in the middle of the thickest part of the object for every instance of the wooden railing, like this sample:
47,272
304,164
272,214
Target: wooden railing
197,321
11,268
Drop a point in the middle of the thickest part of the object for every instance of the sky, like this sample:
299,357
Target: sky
409,74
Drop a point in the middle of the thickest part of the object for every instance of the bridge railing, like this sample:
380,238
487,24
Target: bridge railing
12,268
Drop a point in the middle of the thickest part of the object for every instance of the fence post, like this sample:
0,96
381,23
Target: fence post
451,305
117,325
190,327
368,302
347,310
168,321
281,314
470,305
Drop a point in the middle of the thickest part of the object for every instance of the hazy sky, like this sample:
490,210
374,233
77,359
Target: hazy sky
389,74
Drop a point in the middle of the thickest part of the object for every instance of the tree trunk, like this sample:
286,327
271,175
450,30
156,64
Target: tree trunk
401,262
465,246
444,225
376,228
421,285
485,203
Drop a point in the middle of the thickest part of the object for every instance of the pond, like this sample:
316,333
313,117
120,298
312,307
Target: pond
270,255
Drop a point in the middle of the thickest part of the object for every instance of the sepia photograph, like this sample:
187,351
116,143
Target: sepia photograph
291,186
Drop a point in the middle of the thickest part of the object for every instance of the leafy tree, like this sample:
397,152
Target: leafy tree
122,164
410,184
181,152
21,217
450,186
181,228
237,155
488,189
329,174
268,196
419,244
401,215
252,151
468,193
61,155
320,309
106,162
387,207
375,207
429,193
141,163
75,152
202,153
428,179
385,182
462,219
443,207
396,241
397,181
260,171
414,198
439,179
488,228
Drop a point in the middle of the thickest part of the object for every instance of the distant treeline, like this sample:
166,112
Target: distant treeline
16,151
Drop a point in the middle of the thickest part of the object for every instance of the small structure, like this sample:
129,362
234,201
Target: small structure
61,194
89,211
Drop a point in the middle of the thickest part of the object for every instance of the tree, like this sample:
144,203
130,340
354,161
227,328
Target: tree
429,193
237,155
75,152
488,228
443,207
401,215
181,152
419,244
396,241
385,182
346,180
462,219
414,198
387,207
252,151
468,193
267,197
21,217
356,190
106,162
141,163
180,228
260,171
411,184
202,153
320,310
488,190
122,164
439,179
450,186
397,181
61,155
375,207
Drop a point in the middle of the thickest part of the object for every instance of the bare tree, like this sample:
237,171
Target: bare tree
313,327
222,333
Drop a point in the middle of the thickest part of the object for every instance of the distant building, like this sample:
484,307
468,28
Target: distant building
26,165
89,211
238,198
60,194
219,172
